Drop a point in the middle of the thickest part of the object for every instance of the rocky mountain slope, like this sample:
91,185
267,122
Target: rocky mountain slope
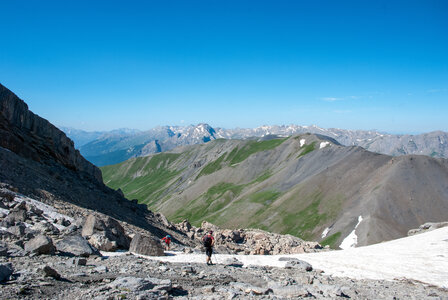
307,185
117,146
40,161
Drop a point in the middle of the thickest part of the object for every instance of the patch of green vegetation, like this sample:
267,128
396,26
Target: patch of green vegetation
307,149
240,154
142,179
206,206
212,167
331,240
303,222
263,177
264,197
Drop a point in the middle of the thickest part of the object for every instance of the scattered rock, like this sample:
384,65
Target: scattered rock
15,215
233,262
427,227
3,249
131,284
46,227
17,230
79,261
161,284
188,270
101,269
146,245
298,265
41,244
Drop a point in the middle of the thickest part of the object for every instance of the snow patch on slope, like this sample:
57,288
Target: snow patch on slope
302,142
324,144
325,232
352,239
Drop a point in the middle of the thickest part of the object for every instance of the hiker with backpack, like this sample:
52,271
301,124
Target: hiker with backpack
209,241
167,241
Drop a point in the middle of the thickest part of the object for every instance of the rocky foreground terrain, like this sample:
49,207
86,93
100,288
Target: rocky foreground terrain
63,251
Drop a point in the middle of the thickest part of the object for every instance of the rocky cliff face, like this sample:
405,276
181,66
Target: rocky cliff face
40,161
31,136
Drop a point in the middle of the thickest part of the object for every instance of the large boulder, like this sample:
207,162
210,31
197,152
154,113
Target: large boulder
6,270
16,215
106,234
146,245
76,245
41,244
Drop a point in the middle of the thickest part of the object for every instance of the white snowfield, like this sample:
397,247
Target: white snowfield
423,257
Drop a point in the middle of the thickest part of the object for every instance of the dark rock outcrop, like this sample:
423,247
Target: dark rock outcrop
31,136
41,162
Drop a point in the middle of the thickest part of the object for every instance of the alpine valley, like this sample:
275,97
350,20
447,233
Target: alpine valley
306,185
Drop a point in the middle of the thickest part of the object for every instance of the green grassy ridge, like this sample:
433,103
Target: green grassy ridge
212,167
206,205
238,154
298,214
307,149
147,188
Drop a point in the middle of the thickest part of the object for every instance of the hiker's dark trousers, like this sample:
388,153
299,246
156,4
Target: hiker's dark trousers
208,251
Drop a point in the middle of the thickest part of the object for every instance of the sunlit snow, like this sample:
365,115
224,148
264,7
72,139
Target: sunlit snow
325,232
302,142
352,239
422,257
324,144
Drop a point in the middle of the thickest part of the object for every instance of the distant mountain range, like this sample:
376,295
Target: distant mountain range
306,185
105,148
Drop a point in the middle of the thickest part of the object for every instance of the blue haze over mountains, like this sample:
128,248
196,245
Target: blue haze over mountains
111,147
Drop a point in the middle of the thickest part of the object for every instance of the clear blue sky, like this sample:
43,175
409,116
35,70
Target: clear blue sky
138,64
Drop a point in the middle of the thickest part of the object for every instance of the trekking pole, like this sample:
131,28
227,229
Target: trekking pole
214,257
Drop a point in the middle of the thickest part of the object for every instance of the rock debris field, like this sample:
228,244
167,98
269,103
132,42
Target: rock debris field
48,255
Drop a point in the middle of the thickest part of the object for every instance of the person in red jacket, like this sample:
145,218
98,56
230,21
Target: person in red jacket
167,241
